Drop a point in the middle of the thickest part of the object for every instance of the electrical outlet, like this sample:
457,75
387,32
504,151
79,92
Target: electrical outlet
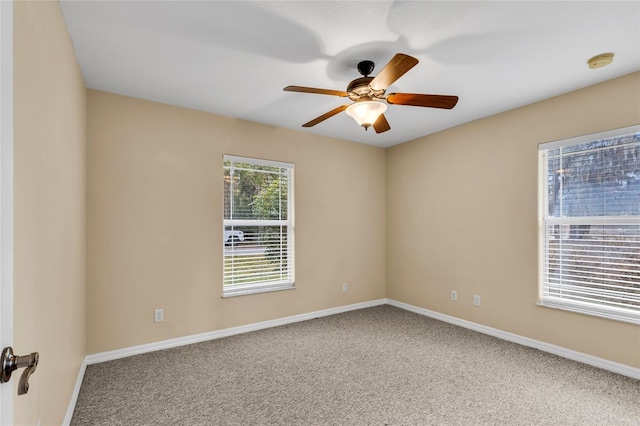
158,315
454,295
345,287
476,300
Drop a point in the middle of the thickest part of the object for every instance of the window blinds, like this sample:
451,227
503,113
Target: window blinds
258,225
591,221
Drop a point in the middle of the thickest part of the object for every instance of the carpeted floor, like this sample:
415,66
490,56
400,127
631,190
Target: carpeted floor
375,366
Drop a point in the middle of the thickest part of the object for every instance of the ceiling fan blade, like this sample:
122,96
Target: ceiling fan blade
381,124
431,101
317,91
325,116
396,68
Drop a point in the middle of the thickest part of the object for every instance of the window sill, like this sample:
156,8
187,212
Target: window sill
256,289
587,309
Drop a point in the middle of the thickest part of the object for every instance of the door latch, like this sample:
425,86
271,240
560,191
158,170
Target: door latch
10,363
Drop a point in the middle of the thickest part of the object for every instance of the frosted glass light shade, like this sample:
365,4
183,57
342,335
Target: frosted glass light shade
366,112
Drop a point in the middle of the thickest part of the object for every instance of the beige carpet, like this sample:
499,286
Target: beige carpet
376,366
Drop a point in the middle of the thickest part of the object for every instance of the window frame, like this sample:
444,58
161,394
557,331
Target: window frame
545,220
289,223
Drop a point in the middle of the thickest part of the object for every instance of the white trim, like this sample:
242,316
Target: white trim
6,197
590,137
604,364
74,396
594,361
615,314
197,338
259,161
244,290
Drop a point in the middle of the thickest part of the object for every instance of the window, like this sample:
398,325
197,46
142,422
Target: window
258,226
590,224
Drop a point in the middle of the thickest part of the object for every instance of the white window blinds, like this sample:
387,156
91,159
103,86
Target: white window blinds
591,224
258,226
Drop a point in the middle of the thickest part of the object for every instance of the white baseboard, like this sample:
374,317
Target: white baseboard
74,396
197,338
594,361
604,364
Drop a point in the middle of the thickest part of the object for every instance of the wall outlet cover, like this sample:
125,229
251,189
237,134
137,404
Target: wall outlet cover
158,315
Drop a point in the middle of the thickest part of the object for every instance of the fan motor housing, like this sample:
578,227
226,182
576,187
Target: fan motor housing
359,88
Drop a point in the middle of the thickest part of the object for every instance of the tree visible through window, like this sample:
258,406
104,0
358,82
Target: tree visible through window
591,224
258,225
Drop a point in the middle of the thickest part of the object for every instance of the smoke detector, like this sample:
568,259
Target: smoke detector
600,61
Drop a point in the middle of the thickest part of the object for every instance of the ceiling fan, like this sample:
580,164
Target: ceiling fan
368,94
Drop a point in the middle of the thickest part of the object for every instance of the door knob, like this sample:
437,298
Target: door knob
10,363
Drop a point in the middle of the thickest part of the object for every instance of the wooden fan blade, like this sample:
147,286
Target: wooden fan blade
381,124
396,68
317,91
431,101
325,116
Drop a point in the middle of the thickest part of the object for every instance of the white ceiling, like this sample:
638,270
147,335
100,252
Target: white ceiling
234,57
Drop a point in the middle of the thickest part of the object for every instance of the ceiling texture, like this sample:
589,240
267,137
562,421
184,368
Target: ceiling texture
233,58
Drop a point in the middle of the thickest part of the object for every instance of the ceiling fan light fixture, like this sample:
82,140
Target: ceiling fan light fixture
368,95
366,112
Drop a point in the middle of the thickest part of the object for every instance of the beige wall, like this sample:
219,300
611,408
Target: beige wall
462,215
49,167
155,221
154,226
